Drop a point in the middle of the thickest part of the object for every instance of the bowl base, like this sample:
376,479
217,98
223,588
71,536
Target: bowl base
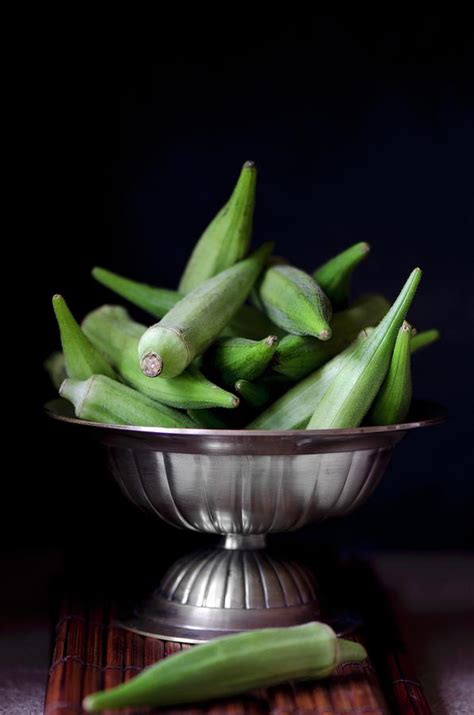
188,624
216,592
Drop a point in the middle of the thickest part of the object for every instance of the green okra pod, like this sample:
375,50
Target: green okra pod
168,347
233,664
110,329
294,408
362,369
392,401
81,358
55,366
255,394
423,339
298,355
294,301
248,322
234,358
227,238
418,341
156,301
335,275
100,399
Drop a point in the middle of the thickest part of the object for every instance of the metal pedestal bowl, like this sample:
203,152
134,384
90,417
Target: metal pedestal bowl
241,485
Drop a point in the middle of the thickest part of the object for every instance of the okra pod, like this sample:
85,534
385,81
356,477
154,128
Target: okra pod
235,358
56,368
294,408
168,347
100,399
156,301
227,238
248,322
362,369
255,394
298,355
231,665
80,357
113,333
392,401
335,275
418,341
423,339
294,301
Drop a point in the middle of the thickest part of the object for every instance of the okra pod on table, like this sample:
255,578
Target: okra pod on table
227,238
187,330
392,401
231,665
298,355
335,275
81,359
113,333
294,301
362,368
239,358
100,399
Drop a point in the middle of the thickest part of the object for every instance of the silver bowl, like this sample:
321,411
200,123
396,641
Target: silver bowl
241,485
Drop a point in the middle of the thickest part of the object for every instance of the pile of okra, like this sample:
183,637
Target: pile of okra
246,341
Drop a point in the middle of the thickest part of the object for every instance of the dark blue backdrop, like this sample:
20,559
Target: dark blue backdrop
360,132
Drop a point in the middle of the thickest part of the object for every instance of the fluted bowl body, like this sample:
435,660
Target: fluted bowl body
248,482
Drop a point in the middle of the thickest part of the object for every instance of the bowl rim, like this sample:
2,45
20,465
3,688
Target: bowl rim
56,408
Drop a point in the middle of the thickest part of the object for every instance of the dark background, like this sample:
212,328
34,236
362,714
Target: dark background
131,135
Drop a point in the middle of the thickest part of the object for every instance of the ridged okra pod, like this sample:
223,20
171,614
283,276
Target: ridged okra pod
100,399
81,358
362,369
227,238
335,275
294,301
231,665
248,322
392,401
168,347
298,355
113,333
294,408
239,358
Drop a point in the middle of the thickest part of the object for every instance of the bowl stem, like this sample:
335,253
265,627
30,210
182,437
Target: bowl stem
246,542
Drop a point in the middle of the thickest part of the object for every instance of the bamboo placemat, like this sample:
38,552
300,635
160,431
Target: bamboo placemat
91,653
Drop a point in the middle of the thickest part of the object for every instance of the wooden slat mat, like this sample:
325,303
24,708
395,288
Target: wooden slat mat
90,653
